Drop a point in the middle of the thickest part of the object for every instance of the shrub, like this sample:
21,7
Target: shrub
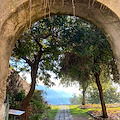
40,106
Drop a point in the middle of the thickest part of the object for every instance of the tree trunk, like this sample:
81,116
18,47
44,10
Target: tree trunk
26,101
101,95
83,99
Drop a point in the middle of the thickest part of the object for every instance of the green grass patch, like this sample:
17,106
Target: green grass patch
53,112
75,110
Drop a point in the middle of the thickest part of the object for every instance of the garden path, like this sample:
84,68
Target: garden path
64,113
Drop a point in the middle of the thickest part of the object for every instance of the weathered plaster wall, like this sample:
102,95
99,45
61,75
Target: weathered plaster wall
15,17
114,5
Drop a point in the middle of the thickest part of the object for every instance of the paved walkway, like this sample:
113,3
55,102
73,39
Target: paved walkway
64,113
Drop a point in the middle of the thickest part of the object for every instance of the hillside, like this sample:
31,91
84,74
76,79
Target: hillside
15,83
55,97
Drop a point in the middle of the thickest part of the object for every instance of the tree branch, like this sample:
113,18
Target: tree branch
43,37
38,56
36,40
27,61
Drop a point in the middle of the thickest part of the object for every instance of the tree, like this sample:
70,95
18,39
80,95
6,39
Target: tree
39,49
109,90
99,57
32,55
46,42
74,69
36,49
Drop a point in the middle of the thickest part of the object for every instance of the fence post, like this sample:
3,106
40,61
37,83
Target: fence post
6,108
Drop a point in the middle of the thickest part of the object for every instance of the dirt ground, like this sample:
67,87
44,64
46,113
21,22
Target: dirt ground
83,118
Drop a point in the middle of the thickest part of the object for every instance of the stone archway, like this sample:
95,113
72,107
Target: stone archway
17,14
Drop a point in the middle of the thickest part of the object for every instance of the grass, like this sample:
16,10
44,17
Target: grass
53,112
76,111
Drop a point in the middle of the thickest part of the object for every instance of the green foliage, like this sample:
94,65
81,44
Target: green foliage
40,106
76,100
45,37
86,56
90,52
15,100
35,117
109,91
20,96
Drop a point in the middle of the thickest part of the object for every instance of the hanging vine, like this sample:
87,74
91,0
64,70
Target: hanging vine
93,2
63,2
89,3
73,5
44,5
53,2
30,12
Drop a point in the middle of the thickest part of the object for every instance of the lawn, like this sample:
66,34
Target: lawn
75,111
53,112
113,113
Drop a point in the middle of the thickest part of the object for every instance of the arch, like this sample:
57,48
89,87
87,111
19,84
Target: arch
19,18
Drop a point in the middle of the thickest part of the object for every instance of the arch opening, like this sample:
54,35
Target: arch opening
41,30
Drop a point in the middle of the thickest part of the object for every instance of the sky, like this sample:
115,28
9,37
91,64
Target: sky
74,89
